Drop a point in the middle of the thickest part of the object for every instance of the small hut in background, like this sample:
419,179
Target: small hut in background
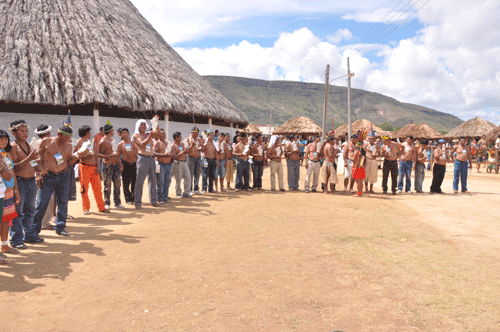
100,58
418,131
299,125
360,125
252,130
493,135
474,128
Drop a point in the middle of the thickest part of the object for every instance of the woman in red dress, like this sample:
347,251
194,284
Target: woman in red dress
358,171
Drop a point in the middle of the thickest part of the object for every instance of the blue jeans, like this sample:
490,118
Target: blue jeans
163,181
57,184
25,210
194,165
242,174
405,171
419,176
293,167
460,173
258,170
209,174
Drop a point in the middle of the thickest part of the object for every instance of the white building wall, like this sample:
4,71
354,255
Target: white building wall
34,120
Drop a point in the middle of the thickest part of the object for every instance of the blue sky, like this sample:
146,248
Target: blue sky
443,54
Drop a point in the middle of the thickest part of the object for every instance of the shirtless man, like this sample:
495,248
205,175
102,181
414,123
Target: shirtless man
220,171
242,151
56,156
482,150
164,177
180,168
194,159
43,131
390,152
24,159
127,151
329,172
439,168
146,166
97,139
111,168
312,164
462,163
406,164
420,166
348,155
258,149
210,154
292,154
371,167
274,152
89,172
230,162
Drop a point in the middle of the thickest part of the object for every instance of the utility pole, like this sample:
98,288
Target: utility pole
327,87
349,75
270,121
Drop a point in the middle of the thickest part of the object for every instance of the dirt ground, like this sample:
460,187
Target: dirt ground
268,261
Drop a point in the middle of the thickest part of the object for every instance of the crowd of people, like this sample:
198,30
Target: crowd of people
38,179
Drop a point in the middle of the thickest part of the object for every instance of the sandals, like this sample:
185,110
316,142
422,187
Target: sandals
48,226
3,261
11,251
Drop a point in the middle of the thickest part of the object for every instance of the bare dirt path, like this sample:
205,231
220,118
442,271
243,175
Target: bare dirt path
268,261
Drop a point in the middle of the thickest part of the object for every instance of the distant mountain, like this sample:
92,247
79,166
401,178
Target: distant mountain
257,97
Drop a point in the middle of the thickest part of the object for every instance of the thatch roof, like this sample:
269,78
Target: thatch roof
300,125
418,131
473,128
360,125
252,130
74,52
493,134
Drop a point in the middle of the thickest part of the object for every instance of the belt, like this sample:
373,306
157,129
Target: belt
242,159
66,170
88,164
25,179
314,161
145,156
273,159
181,161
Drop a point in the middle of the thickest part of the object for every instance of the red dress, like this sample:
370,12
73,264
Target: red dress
358,173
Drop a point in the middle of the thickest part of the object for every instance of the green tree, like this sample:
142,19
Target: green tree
386,126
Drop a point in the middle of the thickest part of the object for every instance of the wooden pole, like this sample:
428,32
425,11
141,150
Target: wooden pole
349,75
327,86
95,122
270,121
166,123
210,123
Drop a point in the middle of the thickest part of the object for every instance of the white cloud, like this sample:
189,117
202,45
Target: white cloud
181,21
339,35
450,65
295,56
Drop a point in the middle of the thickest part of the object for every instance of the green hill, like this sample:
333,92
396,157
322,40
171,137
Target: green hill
288,99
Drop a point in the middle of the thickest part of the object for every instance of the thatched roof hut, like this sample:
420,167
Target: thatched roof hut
493,134
252,130
473,128
88,52
361,124
418,131
300,125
